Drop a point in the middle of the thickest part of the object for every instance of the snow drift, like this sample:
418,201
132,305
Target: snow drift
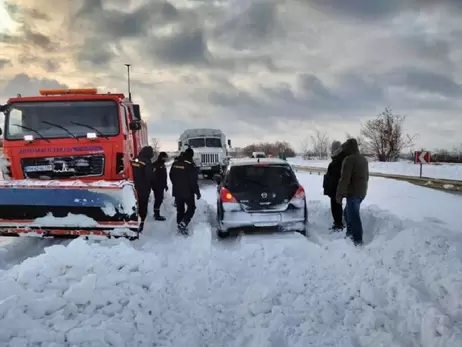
402,289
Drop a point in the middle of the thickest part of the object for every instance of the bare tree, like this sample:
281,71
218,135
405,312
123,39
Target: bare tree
154,143
320,143
305,146
384,136
270,148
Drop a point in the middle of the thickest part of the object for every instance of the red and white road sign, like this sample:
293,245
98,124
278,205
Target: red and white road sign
422,157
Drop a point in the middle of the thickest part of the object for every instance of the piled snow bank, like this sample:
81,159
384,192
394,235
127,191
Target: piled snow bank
285,292
406,168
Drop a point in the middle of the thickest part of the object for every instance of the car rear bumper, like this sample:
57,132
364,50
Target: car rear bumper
290,220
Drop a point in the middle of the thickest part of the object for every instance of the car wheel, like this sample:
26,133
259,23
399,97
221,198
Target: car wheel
222,234
305,222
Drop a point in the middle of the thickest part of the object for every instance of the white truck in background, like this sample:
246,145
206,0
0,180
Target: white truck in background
210,149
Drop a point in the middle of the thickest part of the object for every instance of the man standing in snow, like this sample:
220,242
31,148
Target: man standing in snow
184,177
159,183
4,108
142,176
353,185
330,183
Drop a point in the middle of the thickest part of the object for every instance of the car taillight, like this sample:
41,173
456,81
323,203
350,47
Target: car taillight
299,194
226,196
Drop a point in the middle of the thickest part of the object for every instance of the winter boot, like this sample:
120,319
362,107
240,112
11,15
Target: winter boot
141,227
337,228
157,216
182,228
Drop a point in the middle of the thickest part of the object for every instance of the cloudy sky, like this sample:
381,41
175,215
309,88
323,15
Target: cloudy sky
257,69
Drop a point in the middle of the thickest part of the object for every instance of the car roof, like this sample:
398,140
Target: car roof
252,161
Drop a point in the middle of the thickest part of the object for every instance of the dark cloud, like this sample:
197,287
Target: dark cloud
27,86
378,9
51,66
3,63
364,9
251,28
186,46
426,81
98,53
27,35
248,64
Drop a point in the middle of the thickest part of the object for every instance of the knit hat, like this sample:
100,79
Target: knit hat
189,153
336,145
162,155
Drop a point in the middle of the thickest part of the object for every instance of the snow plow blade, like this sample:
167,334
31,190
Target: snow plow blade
68,209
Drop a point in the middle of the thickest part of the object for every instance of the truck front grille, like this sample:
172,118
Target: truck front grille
210,158
63,167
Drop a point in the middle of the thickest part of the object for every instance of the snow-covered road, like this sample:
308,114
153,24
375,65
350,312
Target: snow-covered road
404,288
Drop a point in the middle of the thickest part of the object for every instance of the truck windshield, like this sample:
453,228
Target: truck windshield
207,142
213,142
196,143
101,115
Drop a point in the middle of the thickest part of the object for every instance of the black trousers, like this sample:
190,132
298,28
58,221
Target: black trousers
143,202
337,212
158,199
183,215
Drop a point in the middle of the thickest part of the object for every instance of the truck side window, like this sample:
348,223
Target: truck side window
125,119
16,117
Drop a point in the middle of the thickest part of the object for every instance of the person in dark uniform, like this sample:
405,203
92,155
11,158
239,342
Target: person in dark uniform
159,183
184,178
142,175
4,108
177,158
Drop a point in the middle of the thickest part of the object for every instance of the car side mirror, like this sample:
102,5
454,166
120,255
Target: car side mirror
217,178
135,125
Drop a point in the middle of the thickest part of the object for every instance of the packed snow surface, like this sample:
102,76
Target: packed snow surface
406,168
404,288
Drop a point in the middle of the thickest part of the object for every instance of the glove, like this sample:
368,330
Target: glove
166,189
339,200
198,195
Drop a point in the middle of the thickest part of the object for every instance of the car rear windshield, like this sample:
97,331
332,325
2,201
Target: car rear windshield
245,176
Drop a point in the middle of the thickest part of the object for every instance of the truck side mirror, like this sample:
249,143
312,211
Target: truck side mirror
136,112
229,143
135,125
1,132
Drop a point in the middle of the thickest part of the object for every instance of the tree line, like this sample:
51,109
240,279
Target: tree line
382,138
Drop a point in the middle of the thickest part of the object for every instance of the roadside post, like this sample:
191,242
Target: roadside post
422,157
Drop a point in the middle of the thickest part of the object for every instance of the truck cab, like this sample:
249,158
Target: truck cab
210,149
69,134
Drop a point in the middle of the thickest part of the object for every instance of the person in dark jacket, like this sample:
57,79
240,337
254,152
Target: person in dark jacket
177,158
353,186
159,183
4,108
184,177
142,175
330,183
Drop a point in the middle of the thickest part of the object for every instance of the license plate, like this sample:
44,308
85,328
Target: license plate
38,168
206,168
266,217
